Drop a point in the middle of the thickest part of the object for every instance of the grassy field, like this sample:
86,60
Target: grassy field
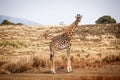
24,50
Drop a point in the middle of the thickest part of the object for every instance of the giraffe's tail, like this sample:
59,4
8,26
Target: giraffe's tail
51,56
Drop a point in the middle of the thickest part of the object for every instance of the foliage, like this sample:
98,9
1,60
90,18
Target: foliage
105,20
111,58
19,24
6,22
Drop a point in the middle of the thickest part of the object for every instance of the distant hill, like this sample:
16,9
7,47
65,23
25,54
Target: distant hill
17,20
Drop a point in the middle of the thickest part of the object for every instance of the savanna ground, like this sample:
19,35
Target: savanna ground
95,51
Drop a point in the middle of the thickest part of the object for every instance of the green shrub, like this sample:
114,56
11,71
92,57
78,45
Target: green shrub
6,22
105,20
19,24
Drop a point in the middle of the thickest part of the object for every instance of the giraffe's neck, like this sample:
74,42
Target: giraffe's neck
70,30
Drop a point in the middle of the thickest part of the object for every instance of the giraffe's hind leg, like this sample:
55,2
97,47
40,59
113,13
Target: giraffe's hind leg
52,58
69,68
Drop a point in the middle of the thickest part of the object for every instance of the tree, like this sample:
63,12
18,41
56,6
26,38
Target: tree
19,24
61,23
105,20
6,22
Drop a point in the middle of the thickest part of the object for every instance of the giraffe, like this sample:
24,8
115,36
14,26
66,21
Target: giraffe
63,41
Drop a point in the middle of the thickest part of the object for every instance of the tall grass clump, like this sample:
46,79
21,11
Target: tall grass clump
111,58
17,67
39,61
14,44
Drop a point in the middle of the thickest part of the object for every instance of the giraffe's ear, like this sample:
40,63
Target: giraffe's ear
81,16
75,16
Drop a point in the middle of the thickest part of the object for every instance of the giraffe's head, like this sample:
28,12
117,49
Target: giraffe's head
78,18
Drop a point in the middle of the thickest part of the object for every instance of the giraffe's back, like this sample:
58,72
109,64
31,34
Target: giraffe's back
60,42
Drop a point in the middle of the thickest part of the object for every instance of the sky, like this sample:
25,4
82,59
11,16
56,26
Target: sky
50,12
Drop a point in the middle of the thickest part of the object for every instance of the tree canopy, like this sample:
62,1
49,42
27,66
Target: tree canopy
6,22
105,20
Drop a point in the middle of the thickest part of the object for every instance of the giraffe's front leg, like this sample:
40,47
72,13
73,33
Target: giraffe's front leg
69,68
53,64
53,70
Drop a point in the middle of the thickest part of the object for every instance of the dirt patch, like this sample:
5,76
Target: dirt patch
77,74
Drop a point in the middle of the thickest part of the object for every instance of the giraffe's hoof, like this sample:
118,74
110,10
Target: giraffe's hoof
53,72
70,71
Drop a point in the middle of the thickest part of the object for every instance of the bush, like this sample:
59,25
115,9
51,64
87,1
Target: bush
19,24
105,20
17,67
6,22
111,58
39,62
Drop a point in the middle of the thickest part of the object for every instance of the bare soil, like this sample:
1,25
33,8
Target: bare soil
108,72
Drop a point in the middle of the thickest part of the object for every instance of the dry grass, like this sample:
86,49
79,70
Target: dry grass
90,47
2,72
16,44
39,61
111,58
2,63
17,67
